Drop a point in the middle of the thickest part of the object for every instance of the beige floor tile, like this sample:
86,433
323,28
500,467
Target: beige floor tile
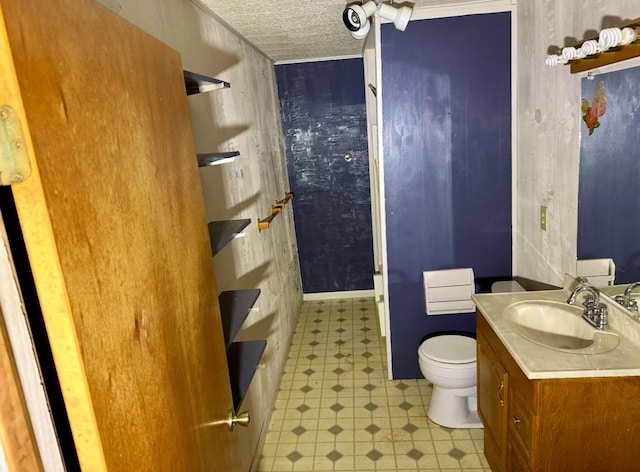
305,464
321,463
346,463
443,446
439,434
465,445
428,462
406,463
265,464
387,462
471,461
282,464
447,462
309,436
339,440
325,436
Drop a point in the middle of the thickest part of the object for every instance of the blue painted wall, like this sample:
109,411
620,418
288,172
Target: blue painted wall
609,201
447,161
323,114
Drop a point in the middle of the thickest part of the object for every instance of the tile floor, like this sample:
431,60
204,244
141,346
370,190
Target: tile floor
336,410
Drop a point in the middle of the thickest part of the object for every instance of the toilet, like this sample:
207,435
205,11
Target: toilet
448,361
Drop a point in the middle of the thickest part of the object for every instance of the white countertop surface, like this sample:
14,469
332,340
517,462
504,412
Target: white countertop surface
539,362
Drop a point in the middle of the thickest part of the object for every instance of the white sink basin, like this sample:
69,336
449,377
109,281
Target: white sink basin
558,326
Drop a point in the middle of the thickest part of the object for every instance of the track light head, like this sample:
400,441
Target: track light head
355,16
400,16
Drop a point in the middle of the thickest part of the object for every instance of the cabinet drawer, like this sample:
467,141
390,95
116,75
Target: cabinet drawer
521,420
515,460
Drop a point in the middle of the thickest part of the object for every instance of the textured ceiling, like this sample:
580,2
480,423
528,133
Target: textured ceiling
289,30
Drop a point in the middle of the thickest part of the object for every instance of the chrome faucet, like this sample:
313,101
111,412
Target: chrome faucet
584,288
595,313
629,303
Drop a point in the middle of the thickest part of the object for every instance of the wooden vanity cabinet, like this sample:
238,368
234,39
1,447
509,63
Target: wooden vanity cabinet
568,424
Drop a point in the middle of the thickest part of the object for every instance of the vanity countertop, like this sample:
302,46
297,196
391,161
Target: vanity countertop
539,362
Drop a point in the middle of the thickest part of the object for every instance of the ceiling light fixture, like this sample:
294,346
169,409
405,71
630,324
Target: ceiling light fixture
400,16
356,16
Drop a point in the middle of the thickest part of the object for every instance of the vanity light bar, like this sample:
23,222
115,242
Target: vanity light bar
607,39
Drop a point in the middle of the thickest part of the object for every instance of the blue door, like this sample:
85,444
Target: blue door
325,130
446,102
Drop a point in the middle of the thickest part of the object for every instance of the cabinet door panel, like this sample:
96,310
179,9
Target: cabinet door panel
492,395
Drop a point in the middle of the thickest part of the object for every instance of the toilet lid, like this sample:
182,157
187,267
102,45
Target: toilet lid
452,349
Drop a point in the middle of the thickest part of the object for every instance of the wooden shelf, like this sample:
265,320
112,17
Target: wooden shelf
613,55
243,359
216,158
197,83
223,232
235,306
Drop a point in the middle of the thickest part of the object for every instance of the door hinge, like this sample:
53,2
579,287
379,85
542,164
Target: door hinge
14,159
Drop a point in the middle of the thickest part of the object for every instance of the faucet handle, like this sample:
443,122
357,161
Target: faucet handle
603,318
589,304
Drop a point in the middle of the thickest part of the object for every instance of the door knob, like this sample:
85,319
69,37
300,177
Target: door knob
243,419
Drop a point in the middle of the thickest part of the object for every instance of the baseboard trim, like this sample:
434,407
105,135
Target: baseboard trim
338,295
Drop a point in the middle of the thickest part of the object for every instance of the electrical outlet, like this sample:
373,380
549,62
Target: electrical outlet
543,217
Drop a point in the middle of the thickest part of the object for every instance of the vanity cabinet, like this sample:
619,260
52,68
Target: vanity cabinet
554,424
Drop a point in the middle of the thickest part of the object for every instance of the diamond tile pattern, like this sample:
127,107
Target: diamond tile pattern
406,406
371,406
369,387
295,456
372,428
410,428
335,430
364,422
456,453
415,454
298,430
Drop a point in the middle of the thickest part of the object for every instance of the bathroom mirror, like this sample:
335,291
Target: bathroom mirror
609,180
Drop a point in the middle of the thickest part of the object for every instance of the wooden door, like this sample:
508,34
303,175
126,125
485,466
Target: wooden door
114,223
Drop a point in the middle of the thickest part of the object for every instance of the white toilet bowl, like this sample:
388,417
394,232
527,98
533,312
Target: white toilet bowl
449,363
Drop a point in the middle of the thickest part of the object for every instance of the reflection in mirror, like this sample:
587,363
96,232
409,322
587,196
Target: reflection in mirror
627,296
608,198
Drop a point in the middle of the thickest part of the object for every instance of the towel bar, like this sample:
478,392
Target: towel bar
275,210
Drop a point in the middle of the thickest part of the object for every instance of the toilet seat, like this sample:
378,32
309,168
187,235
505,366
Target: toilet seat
449,349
